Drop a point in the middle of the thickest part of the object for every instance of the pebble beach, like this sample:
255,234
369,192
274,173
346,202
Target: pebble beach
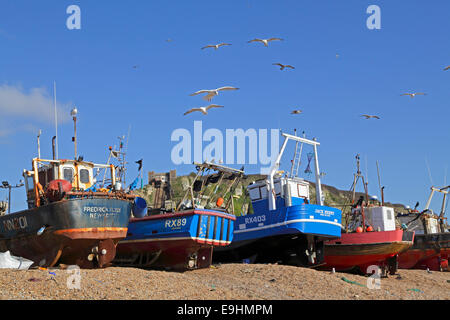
220,282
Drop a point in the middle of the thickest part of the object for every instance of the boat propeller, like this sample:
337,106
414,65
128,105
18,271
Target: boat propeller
100,255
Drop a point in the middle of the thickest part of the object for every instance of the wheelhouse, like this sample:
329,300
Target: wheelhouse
80,175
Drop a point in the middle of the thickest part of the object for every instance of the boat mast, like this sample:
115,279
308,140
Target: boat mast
379,185
358,175
297,156
74,113
318,182
273,170
126,150
56,119
39,143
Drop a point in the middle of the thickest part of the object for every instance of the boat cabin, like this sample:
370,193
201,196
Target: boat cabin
209,173
380,218
288,192
427,222
431,224
80,175
420,223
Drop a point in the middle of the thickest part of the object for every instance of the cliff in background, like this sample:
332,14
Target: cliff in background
179,187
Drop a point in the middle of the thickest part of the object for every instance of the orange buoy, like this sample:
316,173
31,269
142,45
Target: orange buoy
369,228
359,230
219,202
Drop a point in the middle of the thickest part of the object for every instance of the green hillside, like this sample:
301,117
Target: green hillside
179,187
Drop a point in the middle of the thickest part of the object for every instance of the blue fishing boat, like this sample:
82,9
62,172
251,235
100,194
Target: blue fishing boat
184,238
178,241
285,225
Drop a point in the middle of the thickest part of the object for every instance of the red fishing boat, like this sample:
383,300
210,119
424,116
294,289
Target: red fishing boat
371,237
361,249
431,247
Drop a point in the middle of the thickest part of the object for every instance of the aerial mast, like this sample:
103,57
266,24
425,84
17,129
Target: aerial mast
56,120
74,113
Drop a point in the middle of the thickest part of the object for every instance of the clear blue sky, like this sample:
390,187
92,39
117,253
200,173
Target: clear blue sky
93,68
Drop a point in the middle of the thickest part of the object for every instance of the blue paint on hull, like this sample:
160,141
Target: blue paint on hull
276,235
306,219
199,225
177,241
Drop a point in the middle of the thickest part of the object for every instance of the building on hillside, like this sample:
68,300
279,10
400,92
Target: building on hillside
161,185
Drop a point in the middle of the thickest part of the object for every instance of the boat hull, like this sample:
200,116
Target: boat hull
78,231
361,250
430,251
282,235
178,241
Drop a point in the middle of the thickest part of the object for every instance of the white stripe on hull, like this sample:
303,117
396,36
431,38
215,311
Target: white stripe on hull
286,223
177,238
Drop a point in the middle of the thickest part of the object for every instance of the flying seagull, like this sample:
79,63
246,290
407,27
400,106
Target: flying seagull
135,67
265,41
216,46
446,68
282,66
203,110
368,116
296,112
412,95
213,92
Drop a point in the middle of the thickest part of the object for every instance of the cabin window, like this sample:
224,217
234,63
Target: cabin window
303,191
42,176
277,187
263,192
255,194
68,174
84,176
389,214
30,183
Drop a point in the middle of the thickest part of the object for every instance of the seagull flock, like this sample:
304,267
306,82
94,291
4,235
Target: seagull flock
211,93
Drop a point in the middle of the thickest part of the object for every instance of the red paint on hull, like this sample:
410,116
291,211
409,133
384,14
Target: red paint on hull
431,251
173,254
364,249
413,257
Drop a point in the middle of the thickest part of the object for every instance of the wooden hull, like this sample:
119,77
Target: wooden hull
361,250
84,232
